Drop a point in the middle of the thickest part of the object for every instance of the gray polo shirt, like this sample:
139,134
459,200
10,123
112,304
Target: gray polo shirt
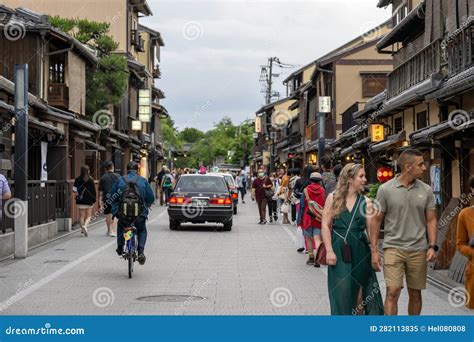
405,214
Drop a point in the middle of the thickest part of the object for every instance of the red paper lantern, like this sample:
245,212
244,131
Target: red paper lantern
384,174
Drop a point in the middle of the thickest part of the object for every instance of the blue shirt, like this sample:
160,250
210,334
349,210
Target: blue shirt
144,188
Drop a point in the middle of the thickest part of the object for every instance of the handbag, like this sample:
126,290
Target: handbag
269,193
285,208
321,254
346,248
80,196
315,211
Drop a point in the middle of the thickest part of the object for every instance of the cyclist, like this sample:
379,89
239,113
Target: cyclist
128,186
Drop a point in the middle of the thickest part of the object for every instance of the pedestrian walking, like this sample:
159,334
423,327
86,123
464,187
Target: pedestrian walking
105,196
295,175
272,200
86,196
465,246
312,203
243,175
407,207
259,188
5,192
330,186
240,185
159,179
327,172
167,184
352,282
300,185
282,193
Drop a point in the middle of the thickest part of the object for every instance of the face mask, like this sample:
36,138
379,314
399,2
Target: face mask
261,174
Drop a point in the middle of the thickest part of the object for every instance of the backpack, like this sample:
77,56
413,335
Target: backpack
131,204
167,183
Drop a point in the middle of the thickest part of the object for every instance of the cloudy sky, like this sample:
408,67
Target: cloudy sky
214,49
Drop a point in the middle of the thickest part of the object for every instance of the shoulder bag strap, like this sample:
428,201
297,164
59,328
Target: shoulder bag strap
356,207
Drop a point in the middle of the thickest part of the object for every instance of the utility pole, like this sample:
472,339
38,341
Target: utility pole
21,161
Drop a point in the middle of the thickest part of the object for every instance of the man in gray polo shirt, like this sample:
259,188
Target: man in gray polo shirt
407,206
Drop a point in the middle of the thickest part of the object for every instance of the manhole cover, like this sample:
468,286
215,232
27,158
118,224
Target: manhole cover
171,298
55,261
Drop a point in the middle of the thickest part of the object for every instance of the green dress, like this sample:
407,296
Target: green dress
346,279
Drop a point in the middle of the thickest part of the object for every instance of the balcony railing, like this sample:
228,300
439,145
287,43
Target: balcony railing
417,69
138,41
459,49
58,95
47,200
156,72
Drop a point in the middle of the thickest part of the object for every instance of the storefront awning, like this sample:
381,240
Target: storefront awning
455,85
361,143
86,124
7,107
441,130
43,125
387,144
119,135
410,96
410,26
371,105
347,151
95,146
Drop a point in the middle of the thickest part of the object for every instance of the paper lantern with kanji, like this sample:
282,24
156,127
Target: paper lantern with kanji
384,174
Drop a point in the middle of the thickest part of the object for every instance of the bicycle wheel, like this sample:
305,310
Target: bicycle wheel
130,264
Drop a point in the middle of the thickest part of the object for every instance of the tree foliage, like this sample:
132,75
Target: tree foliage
106,84
223,138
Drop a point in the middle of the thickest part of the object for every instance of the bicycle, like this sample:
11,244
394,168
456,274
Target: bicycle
130,254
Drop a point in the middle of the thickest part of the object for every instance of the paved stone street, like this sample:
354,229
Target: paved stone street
251,270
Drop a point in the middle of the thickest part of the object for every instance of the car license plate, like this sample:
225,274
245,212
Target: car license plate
200,202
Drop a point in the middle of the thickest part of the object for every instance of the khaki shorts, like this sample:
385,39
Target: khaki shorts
398,263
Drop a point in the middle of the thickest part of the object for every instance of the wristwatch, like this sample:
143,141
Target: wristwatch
435,247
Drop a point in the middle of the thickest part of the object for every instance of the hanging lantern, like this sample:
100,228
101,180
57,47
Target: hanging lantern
384,174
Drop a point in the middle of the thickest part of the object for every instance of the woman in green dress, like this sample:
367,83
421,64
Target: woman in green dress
352,283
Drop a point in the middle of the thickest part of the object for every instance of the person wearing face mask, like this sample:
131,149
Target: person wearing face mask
352,282
272,201
259,185
465,246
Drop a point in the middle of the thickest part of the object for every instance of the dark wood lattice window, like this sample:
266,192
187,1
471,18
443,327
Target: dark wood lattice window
398,125
57,68
421,121
372,84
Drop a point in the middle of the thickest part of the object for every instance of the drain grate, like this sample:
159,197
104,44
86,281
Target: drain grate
55,261
170,298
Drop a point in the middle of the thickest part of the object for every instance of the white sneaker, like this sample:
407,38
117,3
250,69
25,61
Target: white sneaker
112,234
